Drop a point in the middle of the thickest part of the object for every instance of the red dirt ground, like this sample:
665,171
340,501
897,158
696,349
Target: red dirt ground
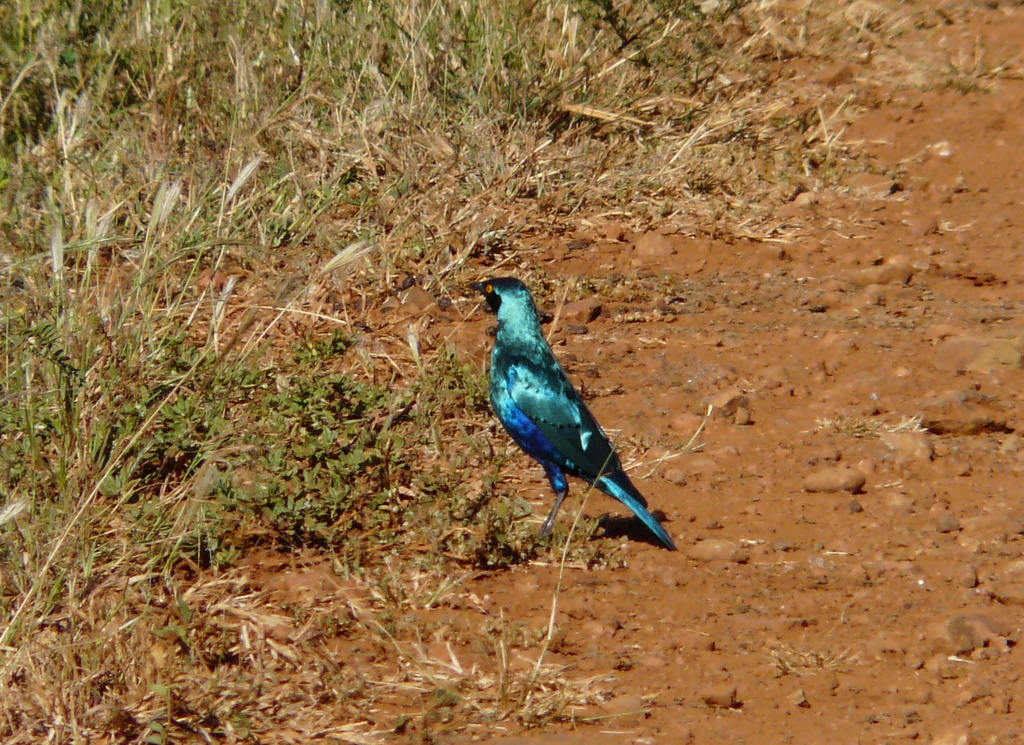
879,614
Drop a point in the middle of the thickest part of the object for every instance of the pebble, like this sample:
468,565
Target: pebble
966,576
835,479
1011,445
727,402
899,502
675,475
581,311
959,635
718,549
909,446
957,415
924,227
1009,593
798,698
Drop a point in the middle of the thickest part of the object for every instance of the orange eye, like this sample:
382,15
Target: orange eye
489,289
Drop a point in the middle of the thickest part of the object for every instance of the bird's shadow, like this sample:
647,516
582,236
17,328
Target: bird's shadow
619,526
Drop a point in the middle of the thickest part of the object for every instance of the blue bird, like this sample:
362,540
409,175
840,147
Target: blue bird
544,414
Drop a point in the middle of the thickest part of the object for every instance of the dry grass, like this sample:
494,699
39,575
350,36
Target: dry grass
790,660
208,213
866,427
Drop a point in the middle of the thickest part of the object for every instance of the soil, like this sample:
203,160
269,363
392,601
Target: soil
851,528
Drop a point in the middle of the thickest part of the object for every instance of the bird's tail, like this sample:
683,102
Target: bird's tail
618,486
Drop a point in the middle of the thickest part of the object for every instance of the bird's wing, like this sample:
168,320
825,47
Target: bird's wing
547,398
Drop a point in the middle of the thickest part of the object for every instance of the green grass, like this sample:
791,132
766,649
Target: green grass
204,211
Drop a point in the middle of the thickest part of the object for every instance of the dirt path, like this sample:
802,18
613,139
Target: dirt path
875,614
850,532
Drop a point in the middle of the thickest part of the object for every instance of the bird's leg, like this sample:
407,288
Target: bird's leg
549,522
561,487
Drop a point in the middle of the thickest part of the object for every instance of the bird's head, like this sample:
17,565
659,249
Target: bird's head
506,297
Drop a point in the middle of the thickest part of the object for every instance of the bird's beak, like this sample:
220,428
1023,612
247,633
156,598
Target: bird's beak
478,286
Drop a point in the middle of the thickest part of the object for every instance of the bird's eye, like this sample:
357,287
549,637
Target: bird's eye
489,289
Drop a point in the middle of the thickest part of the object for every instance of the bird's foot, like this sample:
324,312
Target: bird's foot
549,521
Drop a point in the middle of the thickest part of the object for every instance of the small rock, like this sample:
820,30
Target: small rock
581,311
717,549
653,245
805,199
798,698
727,403
910,446
948,523
965,414
924,227
855,507
1009,593
835,479
720,696
966,576
956,635
676,476
899,502
1011,445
